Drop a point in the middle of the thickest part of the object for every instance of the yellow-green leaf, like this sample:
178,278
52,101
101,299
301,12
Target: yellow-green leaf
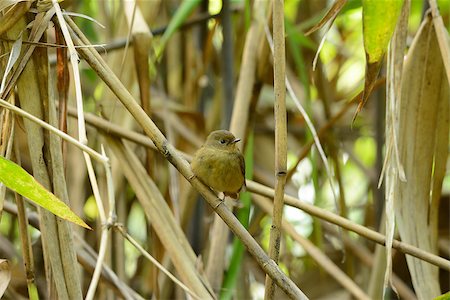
445,296
379,20
17,179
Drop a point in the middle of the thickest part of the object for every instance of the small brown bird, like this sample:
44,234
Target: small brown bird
219,163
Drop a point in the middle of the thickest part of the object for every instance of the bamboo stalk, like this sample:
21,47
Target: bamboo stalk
279,72
25,238
238,125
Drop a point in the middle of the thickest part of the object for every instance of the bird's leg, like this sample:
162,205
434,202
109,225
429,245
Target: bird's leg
237,204
221,196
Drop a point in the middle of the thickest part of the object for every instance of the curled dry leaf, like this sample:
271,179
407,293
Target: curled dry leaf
329,16
5,275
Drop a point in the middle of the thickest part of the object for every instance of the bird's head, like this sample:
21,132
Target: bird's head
222,139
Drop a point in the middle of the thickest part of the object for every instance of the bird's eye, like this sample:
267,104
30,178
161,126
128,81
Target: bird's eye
223,141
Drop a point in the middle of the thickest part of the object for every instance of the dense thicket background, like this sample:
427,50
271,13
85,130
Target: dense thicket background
196,66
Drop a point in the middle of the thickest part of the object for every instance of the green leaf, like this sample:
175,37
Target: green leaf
17,179
445,296
176,21
379,20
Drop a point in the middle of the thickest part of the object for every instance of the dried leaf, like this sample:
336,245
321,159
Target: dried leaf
395,169
14,55
16,10
423,127
5,275
329,16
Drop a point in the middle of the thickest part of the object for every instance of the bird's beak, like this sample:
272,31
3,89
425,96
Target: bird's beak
235,141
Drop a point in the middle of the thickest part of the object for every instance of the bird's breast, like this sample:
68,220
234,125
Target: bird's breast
219,169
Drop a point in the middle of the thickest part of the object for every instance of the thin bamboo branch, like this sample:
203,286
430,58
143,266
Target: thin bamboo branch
154,261
367,258
279,72
319,257
349,225
97,156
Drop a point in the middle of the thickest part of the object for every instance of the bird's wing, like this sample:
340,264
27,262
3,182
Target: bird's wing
242,164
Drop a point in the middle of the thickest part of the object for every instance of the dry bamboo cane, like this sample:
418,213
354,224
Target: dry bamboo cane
279,72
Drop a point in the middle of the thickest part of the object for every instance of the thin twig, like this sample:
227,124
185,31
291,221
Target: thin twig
97,156
153,260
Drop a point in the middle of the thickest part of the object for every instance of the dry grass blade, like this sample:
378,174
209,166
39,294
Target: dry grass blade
330,16
327,21
14,55
442,37
394,168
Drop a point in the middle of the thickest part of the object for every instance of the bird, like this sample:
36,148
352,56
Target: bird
220,165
